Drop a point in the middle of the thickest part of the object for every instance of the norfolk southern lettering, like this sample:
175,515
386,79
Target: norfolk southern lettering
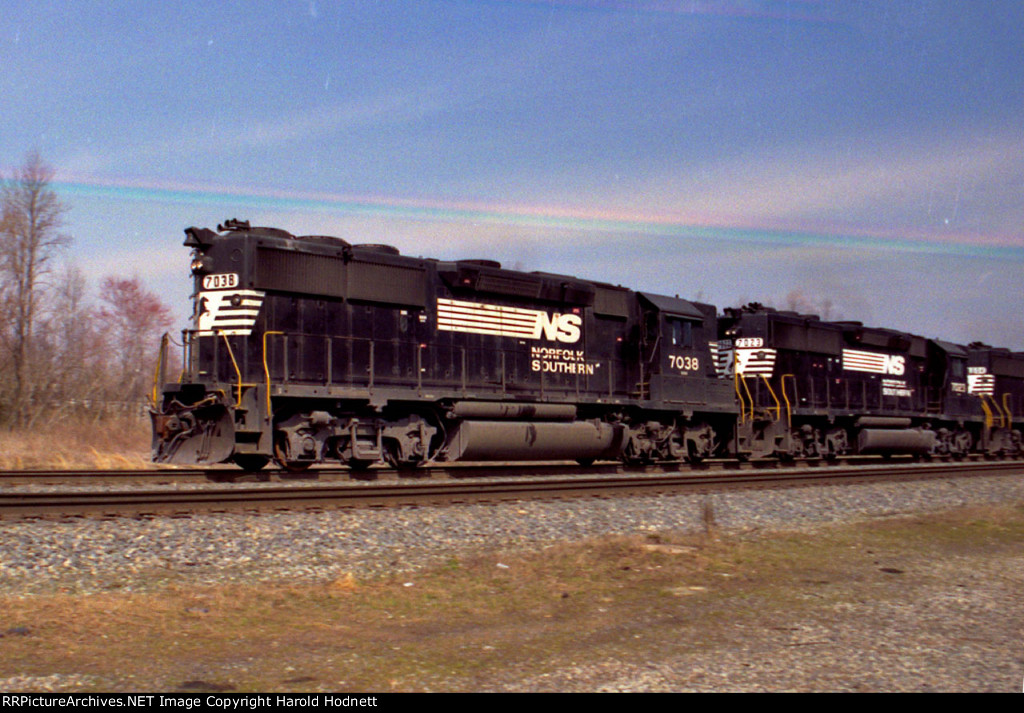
560,361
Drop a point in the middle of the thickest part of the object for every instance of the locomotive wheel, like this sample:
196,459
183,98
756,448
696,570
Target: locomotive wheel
392,459
693,455
963,443
292,466
295,466
251,461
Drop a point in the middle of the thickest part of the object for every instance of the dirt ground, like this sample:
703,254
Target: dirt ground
922,603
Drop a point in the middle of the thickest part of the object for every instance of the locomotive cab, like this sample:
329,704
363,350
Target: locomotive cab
678,346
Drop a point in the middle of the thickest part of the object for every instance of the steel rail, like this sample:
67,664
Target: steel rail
230,473
138,502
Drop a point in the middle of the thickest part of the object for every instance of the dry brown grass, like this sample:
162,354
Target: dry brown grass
112,443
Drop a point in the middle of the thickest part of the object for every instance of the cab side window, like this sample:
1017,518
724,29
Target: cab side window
678,332
956,368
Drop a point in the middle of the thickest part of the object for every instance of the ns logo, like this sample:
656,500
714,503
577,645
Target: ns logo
563,328
895,365
507,321
874,362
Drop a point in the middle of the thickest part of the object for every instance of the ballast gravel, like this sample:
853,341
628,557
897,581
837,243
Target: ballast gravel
127,554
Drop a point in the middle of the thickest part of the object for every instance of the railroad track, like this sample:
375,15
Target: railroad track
141,502
232,474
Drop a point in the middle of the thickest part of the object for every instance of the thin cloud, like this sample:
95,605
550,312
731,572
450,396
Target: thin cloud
941,190
259,134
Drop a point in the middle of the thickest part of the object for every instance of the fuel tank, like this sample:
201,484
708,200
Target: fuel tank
530,440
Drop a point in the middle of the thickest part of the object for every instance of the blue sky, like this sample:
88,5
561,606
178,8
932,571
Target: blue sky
870,154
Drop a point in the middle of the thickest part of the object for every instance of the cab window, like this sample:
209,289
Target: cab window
678,332
956,368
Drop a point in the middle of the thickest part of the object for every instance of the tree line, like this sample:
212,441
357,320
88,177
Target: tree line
65,354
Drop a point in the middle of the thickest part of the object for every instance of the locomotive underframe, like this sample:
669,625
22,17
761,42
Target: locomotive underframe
305,425
199,426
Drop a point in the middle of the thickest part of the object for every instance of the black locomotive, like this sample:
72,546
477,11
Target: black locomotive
811,388
308,349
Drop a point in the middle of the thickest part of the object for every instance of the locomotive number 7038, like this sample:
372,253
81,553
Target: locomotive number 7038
684,363
221,281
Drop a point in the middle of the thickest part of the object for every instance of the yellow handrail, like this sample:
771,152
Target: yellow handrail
266,369
988,412
1002,416
161,356
739,395
778,405
743,380
238,372
789,407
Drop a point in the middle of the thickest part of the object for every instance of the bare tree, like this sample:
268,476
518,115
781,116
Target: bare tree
30,221
133,320
80,377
